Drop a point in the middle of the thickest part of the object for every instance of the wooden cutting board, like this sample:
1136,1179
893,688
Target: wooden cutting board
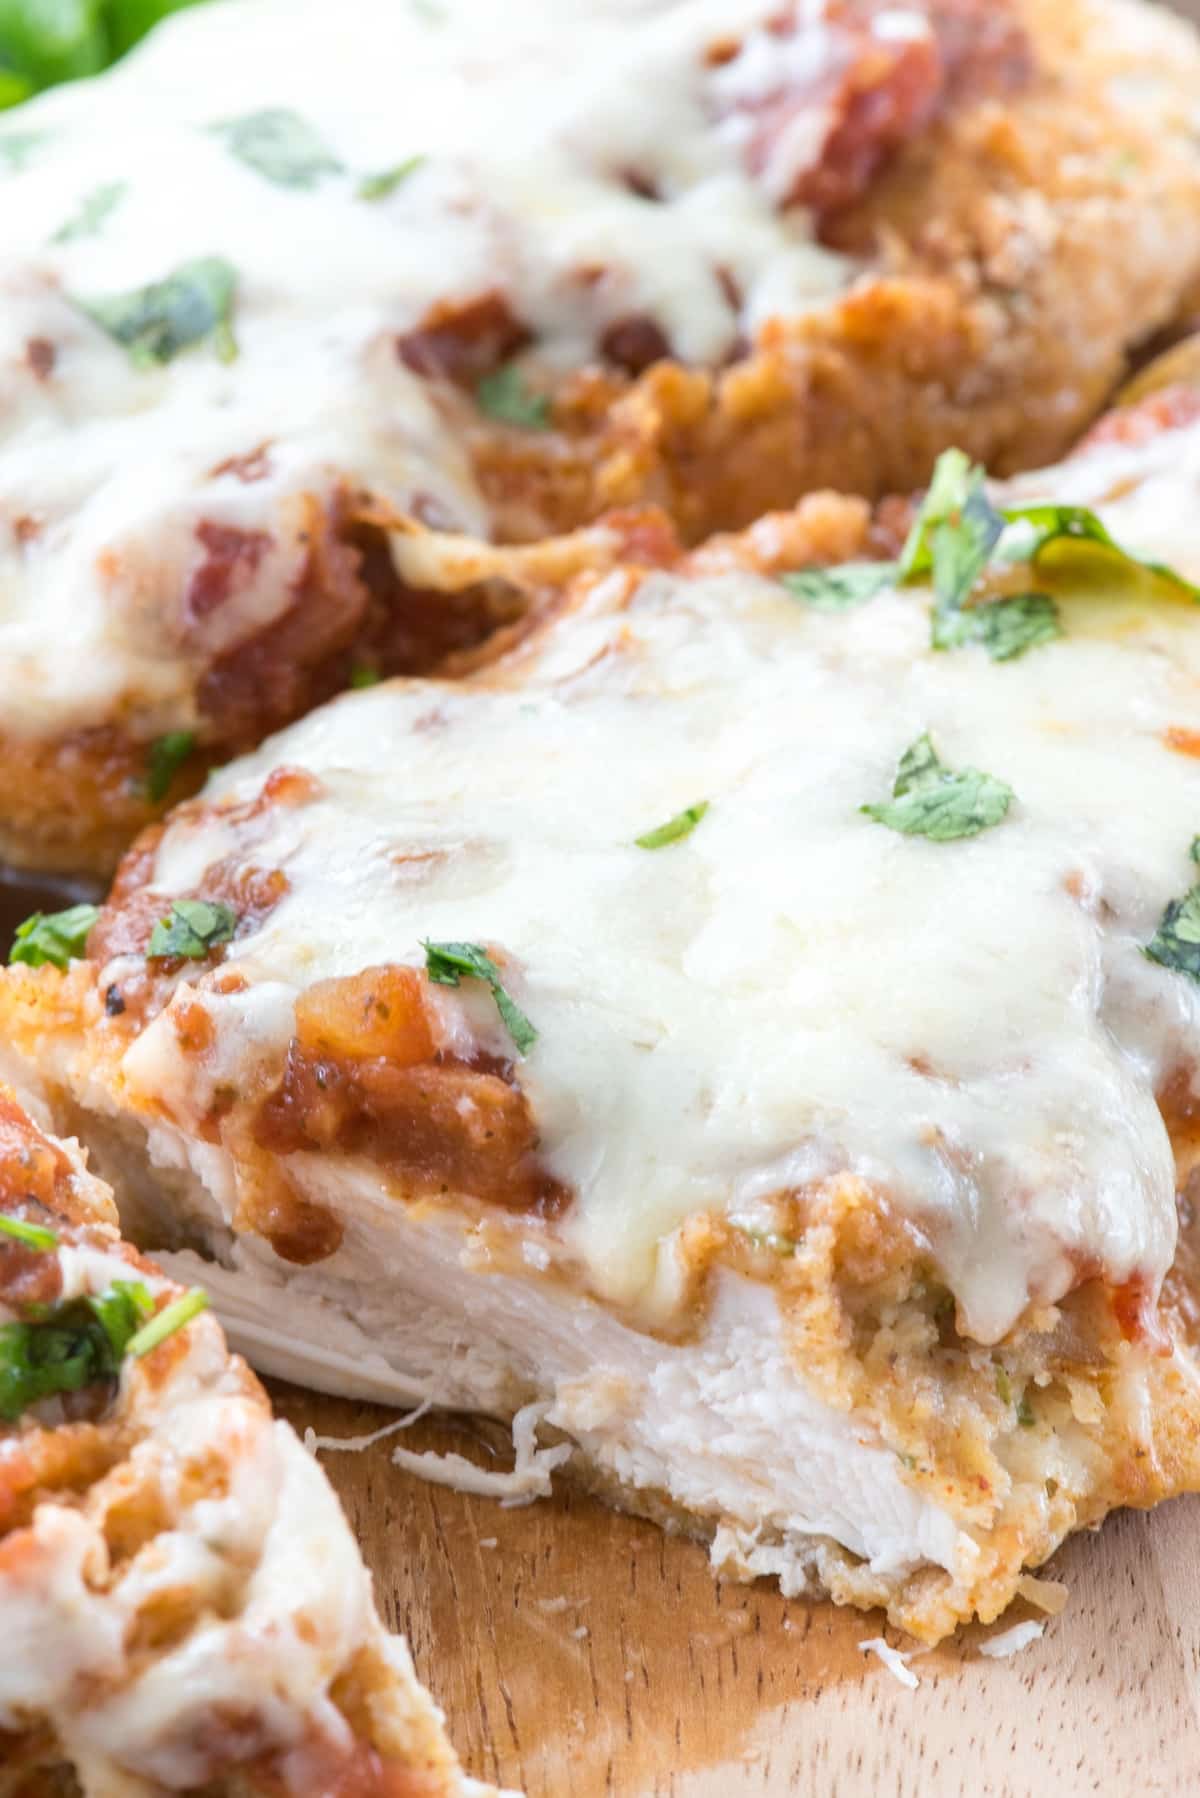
578,1653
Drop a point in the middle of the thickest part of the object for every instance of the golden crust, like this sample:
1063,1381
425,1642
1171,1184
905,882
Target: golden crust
1018,254
1022,1443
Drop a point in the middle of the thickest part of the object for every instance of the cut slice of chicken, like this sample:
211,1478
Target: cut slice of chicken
747,1034
185,1608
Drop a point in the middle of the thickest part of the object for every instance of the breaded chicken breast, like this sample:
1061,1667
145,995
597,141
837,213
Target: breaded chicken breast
295,299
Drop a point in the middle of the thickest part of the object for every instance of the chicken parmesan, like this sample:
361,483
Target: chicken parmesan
747,1033
185,1608
298,294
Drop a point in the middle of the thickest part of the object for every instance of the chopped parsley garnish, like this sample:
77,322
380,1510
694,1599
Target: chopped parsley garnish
930,800
73,1345
155,323
1176,942
961,548
121,1310
76,1344
54,937
1079,524
193,928
448,963
1025,1416
952,539
34,1236
166,758
1003,1386
955,478
172,1317
681,825
506,395
278,144
363,676
838,589
94,208
958,534
379,186
1005,627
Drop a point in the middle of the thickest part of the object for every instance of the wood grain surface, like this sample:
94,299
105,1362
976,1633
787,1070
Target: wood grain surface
581,1654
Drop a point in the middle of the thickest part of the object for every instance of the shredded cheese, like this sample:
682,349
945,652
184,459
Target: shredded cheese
527,1479
356,1444
1011,1641
895,1662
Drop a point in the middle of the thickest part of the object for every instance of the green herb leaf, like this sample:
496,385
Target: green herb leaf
193,929
505,395
448,963
34,1236
172,1317
953,539
918,764
70,1346
1003,1386
379,186
929,800
681,825
362,676
1044,525
38,1360
958,532
120,1312
1005,627
155,323
1176,942
838,589
1008,627
94,209
166,758
1025,1416
280,145
54,937
955,478
961,548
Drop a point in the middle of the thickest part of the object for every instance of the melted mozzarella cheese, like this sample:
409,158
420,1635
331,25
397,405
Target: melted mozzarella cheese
530,122
792,989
